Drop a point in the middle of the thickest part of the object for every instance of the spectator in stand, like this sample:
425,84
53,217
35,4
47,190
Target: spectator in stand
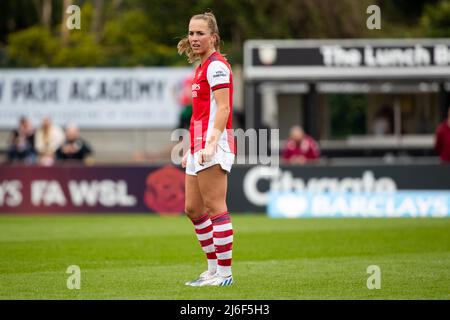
383,122
48,139
21,146
300,148
185,101
442,139
74,148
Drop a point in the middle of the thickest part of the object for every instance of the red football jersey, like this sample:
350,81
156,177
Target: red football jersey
214,73
307,147
442,141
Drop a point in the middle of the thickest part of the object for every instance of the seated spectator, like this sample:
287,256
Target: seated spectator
21,146
442,140
300,148
185,101
383,122
74,148
48,139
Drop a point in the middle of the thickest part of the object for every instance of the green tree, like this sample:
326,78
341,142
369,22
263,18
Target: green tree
347,114
436,20
32,47
142,32
131,39
81,50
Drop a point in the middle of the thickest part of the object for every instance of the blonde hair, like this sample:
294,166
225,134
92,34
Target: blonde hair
184,45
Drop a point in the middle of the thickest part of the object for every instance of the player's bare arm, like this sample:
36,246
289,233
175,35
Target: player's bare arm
223,110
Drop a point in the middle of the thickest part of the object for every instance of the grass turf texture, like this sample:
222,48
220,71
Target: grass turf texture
150,257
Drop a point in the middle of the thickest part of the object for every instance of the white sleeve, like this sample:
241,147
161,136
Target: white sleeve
218,75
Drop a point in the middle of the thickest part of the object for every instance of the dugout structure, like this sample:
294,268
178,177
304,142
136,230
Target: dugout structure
363,97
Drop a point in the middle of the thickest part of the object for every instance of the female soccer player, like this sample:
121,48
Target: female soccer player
212,149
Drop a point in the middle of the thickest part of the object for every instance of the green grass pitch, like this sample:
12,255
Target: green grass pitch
150,257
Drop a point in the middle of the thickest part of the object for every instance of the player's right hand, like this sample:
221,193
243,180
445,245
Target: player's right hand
184,160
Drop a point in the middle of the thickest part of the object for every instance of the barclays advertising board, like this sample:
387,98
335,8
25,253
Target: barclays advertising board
388,189
397,204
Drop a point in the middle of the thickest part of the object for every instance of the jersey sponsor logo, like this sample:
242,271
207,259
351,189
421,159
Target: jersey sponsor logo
219,73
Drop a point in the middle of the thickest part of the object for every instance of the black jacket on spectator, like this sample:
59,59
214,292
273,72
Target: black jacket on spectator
22,145
76,150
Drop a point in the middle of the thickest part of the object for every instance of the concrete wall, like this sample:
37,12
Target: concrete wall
117,146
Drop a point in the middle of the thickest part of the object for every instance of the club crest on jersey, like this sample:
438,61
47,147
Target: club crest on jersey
199,74
195,88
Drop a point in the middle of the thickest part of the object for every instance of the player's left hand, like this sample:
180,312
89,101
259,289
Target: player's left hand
207,153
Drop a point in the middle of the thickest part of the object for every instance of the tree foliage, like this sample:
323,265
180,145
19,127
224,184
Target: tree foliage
145,32
32,47
436,19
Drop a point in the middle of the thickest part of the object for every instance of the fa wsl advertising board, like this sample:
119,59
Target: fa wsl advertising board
289,192
67,189
93,98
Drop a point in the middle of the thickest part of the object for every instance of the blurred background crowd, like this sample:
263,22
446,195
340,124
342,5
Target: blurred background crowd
382,122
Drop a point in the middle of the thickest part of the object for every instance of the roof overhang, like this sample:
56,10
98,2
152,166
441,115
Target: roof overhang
345,59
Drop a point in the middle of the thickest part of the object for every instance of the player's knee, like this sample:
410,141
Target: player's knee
215,207
189,210
192,211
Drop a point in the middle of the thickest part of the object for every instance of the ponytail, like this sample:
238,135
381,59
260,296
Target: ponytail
184,45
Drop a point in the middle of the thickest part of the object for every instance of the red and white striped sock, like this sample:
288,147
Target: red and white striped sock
204,230
223,241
